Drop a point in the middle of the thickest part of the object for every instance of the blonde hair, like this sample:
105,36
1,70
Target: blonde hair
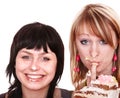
99,19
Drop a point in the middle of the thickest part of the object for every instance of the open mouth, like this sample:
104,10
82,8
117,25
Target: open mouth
34,77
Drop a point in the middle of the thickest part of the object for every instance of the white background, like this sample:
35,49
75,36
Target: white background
58,13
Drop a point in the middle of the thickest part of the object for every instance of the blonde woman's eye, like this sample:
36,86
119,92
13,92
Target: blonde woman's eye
103,42
84,42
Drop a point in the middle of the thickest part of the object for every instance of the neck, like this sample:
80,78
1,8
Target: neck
27,93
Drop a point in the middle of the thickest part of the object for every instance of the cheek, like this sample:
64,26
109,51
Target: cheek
83,51
83,54
107,54
51,69
107,57
18,68
20,65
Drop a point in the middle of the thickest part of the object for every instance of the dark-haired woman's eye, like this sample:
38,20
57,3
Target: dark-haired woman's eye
25,57
45,59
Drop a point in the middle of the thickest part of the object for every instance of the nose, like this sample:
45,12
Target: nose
34,65
94,50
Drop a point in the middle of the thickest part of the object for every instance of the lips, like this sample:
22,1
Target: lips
94,63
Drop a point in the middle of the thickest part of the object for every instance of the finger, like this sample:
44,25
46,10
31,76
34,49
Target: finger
93,71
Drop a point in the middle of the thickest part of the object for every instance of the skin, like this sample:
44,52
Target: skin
35,69
95,51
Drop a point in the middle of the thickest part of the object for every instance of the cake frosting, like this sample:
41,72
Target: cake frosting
106,86
106,82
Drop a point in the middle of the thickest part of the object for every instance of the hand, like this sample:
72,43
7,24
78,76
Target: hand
93,71
91,75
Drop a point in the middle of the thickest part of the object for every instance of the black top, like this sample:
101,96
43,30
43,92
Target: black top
64,94
2,95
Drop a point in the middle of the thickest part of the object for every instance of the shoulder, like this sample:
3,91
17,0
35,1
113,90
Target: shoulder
66,93
2,95
62,93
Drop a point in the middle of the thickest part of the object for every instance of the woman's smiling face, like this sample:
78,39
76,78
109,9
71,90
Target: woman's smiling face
96,50
35,69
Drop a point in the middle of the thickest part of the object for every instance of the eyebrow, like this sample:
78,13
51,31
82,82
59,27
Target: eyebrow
83,34
29,52
24,51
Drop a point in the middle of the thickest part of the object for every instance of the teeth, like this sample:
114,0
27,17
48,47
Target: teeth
34,76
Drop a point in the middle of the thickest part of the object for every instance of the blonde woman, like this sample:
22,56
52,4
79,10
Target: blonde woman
95,39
